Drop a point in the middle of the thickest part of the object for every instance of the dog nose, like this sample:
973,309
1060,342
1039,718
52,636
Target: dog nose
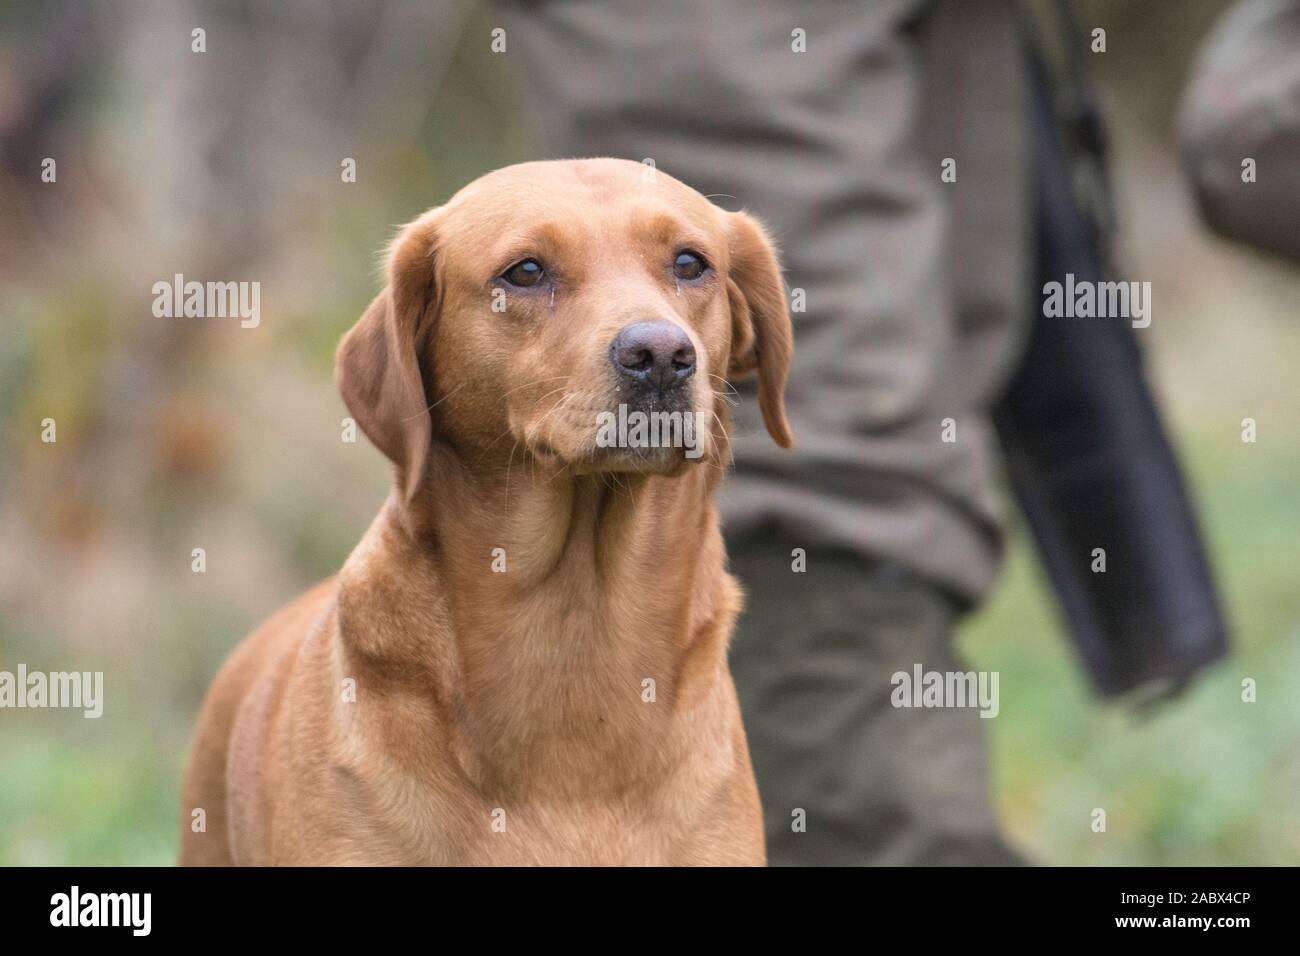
658,353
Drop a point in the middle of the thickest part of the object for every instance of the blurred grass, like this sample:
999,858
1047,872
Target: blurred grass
1205,779
89,800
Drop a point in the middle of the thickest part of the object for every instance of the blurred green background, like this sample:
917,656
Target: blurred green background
181,434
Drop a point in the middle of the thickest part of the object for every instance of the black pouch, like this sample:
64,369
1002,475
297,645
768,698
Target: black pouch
1092,468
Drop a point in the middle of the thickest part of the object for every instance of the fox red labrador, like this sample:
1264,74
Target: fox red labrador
524,661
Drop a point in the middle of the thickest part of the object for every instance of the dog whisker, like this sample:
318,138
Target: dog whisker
548,378
730,392
437,403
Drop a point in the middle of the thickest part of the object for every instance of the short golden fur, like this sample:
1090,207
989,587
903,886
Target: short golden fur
502,718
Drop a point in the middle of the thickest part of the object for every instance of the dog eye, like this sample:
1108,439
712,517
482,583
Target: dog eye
689,265
524,274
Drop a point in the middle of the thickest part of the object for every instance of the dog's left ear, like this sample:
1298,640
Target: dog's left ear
761,334
379,368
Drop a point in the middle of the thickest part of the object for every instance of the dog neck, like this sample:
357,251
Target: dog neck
559,624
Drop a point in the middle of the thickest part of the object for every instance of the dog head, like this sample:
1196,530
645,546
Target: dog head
577,312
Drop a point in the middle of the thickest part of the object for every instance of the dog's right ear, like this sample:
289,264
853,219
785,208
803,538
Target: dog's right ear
380,366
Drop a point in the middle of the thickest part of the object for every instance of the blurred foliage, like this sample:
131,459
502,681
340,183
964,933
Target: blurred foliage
1202,779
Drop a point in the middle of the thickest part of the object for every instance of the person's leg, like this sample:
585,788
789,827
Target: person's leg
826,141
813,661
